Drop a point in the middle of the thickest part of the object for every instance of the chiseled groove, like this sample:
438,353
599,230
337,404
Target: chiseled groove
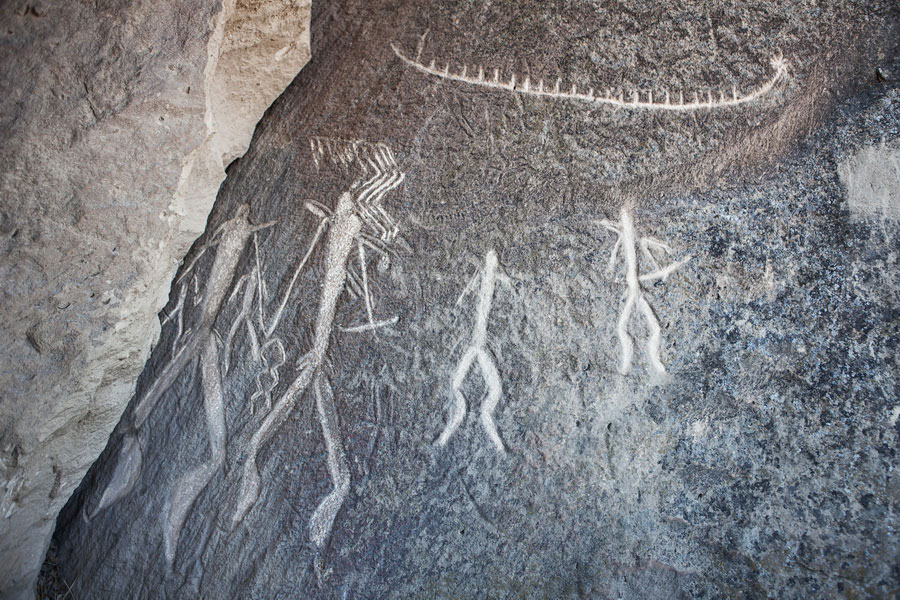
778,63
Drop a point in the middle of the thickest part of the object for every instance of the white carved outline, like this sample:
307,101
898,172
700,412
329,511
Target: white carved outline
632,100
635,294
477,351
359,207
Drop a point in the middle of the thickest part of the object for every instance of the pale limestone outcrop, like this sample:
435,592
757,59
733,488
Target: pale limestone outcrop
118,120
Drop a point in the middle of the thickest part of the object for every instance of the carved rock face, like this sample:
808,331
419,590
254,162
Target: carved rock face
493,342
118,120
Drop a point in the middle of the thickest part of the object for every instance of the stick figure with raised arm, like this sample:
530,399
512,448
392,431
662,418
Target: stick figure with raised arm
635,294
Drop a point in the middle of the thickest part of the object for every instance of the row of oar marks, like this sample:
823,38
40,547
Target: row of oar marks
633,99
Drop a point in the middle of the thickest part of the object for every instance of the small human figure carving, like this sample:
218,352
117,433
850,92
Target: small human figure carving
635,294
476,350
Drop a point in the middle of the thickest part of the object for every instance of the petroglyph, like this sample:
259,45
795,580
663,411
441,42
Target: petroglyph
357,221
616,97
476,350
635,295
178,314
189,485
377,162
266,348
322,519
230,237
242,318
125,475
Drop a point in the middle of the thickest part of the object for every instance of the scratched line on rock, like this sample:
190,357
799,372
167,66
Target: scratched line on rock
358,222
632,99
478,352
634,297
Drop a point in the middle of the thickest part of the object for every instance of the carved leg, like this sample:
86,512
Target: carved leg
459,406
495,391
322,520
189,485
250,484
624,338
653,342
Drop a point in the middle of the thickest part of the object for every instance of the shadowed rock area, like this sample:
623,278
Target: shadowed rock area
117,120
446,339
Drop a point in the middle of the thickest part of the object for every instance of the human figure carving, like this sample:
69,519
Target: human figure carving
477,351
358,220
635,294
230,238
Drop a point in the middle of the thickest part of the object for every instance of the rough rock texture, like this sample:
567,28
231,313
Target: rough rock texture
447,405
118,118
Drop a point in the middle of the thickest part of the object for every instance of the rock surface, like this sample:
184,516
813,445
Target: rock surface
118,118
532,345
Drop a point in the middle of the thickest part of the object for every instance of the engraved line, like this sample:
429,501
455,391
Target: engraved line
276,318
323,518
653,343
272,369
178,312
243,315
368,326
189,486
367,297
778,64
663,273
634,289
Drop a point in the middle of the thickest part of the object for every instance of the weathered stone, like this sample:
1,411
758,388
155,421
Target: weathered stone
118,118
611,349
871,178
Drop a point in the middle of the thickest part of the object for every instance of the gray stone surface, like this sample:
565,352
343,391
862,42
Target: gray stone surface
117,120
758,464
